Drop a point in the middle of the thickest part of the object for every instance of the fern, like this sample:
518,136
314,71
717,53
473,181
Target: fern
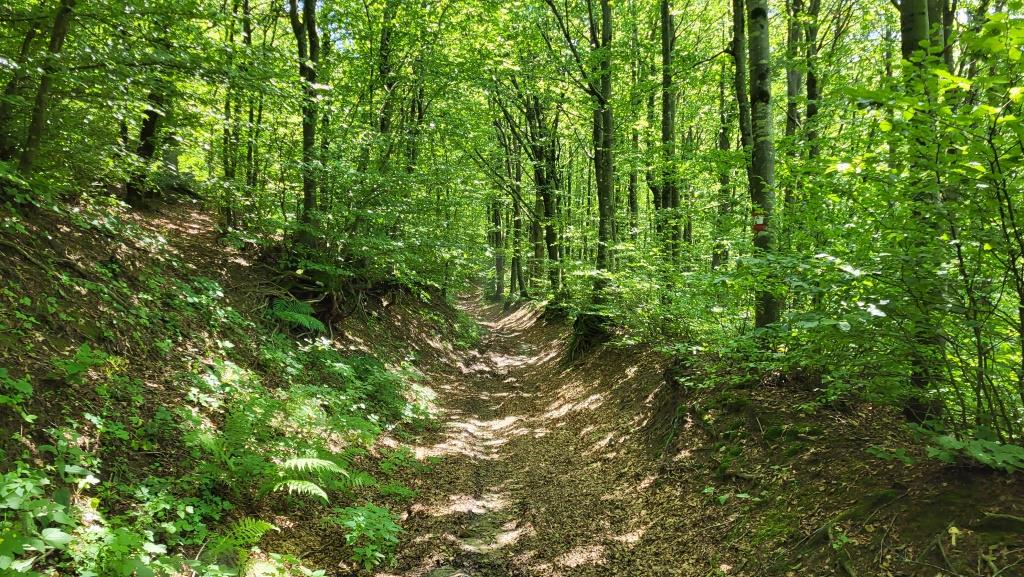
359,479
313,465
310,466
297,314
231,548
302,487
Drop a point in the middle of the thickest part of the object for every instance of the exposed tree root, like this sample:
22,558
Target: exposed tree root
589,330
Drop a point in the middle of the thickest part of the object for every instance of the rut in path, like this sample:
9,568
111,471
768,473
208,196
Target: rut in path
536,475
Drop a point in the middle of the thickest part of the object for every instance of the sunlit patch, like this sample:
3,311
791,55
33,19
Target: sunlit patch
283,522
647,482
564,407
583,555
631,538
683,455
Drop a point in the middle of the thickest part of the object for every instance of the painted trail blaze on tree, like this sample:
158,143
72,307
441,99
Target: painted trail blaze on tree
762,157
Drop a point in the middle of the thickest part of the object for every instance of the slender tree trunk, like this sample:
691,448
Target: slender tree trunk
653,179
813,92
12,89
762,185
604,144
926,364
669,185
387,77
498,245
228,129
517,224
517,235
537,237
37,124
794,86
308,42
721,251
739,57
543,151
135,190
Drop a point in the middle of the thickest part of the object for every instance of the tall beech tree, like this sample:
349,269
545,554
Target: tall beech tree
613,159
308,42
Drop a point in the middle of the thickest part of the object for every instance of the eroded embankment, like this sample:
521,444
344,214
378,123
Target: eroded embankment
601,467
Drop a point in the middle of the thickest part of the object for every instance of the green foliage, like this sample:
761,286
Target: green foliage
897,454
34,520
985,452
230,547
84,359
14,393
296,314
370,531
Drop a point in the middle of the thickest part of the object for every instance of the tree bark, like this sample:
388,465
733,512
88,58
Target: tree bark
308,42
37,124
12,89
813,92
762,185
920,278
135,190
669,186
720,255
739,57
604,144
498,245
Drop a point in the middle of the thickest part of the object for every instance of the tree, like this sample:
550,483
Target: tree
308,42
762,162
37,124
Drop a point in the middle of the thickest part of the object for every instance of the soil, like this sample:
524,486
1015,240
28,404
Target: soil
605,467
619,463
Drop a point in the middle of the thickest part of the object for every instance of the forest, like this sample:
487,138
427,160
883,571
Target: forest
481,288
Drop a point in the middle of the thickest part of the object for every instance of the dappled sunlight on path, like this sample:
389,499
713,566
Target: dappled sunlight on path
532,476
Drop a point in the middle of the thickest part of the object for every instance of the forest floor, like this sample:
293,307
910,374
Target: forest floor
603,467
533,480
621,463
538,467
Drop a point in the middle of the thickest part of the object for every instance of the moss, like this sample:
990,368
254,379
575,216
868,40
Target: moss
775,525
774,433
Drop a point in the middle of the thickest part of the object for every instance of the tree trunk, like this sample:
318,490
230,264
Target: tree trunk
739,57
309,55
12,90
604,144
794,86
543,149
813,93
669,186
927,338
387,77
720,255
762,184
135,190
517,235
498,244
37,124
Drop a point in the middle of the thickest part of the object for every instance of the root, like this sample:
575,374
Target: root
588,332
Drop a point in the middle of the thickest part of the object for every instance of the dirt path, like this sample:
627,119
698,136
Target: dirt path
533,479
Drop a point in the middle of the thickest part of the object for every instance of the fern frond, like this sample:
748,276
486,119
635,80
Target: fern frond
359,479
313,465
302,487
231,546
297,313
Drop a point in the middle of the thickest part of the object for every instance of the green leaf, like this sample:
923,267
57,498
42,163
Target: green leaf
55,537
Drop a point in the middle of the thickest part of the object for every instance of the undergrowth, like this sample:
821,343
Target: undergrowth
154,416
